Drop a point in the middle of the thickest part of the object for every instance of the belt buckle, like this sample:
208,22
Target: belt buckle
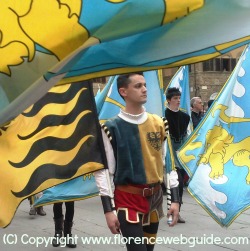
147,191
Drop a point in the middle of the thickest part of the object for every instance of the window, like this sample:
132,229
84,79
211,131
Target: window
219,64
208,65
225,64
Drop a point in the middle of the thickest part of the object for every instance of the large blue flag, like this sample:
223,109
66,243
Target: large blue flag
44,42
216,155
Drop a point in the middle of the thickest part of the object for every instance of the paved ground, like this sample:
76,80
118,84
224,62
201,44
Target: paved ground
25,231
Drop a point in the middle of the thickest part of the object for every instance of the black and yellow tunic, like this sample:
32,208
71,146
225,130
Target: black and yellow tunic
137,150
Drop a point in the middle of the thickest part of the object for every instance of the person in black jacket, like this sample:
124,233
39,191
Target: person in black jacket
178,124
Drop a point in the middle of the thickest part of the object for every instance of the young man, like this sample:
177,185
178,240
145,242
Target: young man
197,110
178,123
135,149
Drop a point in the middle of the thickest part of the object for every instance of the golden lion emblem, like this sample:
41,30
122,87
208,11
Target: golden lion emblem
220,148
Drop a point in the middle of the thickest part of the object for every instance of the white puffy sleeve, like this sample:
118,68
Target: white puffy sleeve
103,182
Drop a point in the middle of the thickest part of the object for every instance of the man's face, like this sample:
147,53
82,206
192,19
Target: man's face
174,102
136,92
198,106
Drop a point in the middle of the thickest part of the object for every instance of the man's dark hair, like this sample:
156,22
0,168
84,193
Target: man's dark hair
171,92
123,80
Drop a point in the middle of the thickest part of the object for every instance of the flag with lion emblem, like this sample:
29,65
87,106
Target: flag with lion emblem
217,154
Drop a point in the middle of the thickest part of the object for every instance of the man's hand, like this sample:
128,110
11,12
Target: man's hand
112,222
174,211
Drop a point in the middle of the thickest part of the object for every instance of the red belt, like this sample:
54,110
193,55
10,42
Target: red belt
143,191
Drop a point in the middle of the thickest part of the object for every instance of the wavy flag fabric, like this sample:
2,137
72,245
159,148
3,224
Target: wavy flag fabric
55,140
79,188
44,43
216,155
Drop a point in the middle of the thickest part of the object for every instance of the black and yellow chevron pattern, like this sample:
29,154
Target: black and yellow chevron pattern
55,140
